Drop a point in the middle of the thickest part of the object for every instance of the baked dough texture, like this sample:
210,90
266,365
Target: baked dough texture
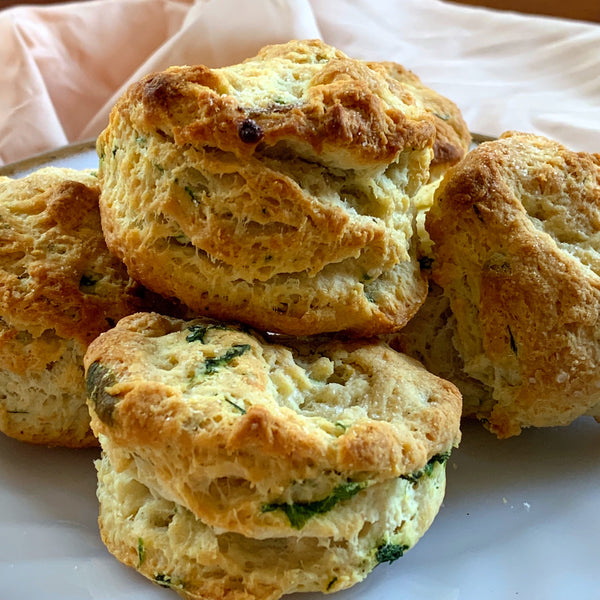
429,338
281,191
288,464
59,288
516,232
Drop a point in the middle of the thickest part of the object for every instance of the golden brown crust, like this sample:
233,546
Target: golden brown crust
515,227
235,406
345,101
59,288
55,270
279,191
453,138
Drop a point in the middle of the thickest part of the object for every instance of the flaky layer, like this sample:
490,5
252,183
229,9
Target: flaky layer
517,251
168,545
279,192
42,389
201,401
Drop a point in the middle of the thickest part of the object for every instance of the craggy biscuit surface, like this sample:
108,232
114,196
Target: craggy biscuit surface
209,412
59,288
278,192
516,231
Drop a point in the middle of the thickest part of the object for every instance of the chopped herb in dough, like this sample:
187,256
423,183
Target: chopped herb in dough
298,513
236,406
167,581
97,380
198,332
211,365
428,468
141,552
390,552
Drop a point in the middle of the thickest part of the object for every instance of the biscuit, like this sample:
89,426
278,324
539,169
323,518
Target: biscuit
279,192
261,414
515,228
324,448
169,545
59,288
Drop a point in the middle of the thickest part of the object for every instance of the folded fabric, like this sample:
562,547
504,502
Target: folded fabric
65,65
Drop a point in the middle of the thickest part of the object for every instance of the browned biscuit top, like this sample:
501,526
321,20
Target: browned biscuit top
208,400
56,272
332,106
280,191
517,250
453,138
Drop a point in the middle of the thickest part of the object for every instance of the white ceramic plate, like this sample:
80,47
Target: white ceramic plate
520,519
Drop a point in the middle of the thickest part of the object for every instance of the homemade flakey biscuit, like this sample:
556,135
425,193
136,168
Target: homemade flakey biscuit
59,288
516,230
278,192
168,544
331,451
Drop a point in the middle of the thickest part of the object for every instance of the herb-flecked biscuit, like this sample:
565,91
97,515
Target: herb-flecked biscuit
516,232
279,192
59,288
169,545
331,451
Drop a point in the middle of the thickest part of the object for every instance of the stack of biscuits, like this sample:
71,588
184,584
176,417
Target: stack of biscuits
294,452
280,284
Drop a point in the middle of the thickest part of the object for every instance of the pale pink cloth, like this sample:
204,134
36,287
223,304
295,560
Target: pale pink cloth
63,66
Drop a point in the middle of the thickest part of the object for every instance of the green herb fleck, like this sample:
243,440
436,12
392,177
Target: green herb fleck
114,151
477,212
390,552
442,117
241,409
17,412
298,513
198,332
88,280
341,425
427,470
331,583
141,552
99,378
167,581
190,192
141,140
212,364
513,344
